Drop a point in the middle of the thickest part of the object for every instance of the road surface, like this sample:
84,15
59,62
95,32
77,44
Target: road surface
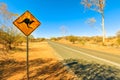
66,52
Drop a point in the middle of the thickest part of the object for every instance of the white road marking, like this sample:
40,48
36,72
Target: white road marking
98,58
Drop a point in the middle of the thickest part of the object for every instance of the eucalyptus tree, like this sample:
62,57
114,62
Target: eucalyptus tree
98,6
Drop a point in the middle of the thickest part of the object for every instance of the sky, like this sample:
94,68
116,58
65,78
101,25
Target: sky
70,14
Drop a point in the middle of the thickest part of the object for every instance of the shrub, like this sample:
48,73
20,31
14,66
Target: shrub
9,36
72,39
54,39
118,40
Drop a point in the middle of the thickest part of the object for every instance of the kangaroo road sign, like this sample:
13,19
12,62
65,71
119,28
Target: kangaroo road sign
27,23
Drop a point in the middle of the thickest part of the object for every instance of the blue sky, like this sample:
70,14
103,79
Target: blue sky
68,13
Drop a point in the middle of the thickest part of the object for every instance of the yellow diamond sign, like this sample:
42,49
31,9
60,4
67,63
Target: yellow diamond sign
27,23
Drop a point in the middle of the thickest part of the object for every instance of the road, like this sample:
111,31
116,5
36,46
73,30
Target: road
65,52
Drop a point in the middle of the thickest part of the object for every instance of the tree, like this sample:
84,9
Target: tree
96,5
8,35
118,37
118,34
5,13
63,30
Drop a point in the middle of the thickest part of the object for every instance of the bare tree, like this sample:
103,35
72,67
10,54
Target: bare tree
4,12
118,37
63,30
8,33
118,34
96,5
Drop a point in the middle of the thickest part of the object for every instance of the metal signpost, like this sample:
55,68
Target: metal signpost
27,23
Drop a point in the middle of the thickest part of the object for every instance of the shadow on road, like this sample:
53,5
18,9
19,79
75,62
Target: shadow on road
92,71
50,69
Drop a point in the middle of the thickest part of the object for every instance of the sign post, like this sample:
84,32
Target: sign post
27,57
27,23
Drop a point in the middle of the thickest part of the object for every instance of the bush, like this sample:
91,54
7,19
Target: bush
54,39
72,39
42,39
9,36
82,42
118,40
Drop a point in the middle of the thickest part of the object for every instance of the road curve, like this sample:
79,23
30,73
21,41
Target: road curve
65,52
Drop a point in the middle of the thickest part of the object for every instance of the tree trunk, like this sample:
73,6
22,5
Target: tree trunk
103,28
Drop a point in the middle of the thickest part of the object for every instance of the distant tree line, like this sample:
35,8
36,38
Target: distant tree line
97,40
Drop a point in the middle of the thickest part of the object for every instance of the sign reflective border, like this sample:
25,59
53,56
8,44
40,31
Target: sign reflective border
27,23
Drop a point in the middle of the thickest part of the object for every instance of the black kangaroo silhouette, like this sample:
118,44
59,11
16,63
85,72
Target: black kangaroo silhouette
27,22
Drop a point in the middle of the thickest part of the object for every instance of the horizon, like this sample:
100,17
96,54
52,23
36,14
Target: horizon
71,15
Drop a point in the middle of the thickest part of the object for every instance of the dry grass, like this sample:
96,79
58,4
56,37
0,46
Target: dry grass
44,64
36,50
40,69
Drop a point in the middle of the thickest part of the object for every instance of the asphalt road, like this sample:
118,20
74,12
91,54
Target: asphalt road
66,52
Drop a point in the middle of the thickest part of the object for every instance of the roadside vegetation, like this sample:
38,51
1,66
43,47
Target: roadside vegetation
113,41
10,36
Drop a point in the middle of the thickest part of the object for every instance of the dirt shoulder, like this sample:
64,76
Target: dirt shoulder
43,64
36,50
